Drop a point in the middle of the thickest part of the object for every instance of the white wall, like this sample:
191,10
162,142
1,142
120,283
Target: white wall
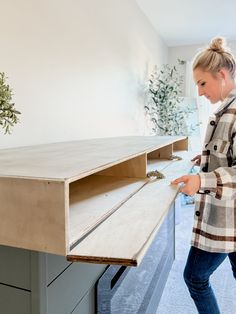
187,53
77,67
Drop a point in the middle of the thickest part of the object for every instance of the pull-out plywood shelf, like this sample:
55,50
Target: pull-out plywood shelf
94,199
125,237
84,199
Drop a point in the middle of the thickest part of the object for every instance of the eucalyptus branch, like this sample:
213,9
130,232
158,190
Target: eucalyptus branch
8,113
164,101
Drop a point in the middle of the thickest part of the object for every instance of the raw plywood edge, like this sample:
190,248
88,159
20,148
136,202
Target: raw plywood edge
102,260
33,215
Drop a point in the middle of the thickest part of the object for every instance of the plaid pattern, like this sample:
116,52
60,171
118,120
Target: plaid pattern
214,227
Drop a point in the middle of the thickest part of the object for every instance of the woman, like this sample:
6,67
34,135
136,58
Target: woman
214,230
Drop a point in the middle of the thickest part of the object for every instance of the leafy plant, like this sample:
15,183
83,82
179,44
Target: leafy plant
164,102
8,113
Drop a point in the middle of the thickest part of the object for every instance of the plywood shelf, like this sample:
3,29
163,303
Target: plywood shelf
112,242
56,197
95,198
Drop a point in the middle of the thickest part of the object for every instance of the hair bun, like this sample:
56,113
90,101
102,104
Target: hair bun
217,45
215,57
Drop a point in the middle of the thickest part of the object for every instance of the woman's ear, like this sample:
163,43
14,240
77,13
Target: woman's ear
222,74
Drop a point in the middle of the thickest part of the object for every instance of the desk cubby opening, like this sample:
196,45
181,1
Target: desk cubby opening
94,198
161,158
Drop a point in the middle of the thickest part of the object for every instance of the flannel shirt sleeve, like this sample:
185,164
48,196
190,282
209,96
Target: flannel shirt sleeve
220,183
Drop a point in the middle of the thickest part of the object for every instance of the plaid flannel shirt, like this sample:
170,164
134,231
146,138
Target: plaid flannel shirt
214,227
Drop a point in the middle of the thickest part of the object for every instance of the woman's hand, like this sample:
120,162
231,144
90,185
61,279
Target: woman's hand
191,184
197,160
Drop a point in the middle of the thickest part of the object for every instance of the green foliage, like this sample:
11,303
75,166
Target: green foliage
8,113
164,102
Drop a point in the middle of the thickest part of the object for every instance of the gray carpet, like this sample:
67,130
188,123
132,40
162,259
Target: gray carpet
175,298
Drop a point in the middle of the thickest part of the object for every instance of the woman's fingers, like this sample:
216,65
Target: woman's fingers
182,179
197,160
191,184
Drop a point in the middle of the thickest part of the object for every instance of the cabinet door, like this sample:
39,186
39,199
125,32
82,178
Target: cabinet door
14,267
14,300
70,288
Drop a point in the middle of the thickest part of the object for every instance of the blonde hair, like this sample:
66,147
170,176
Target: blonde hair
215,57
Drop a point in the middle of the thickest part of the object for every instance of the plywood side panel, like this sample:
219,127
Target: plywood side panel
161,153
33,215
181,145
132,168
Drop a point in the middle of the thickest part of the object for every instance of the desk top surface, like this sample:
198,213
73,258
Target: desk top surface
67,160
